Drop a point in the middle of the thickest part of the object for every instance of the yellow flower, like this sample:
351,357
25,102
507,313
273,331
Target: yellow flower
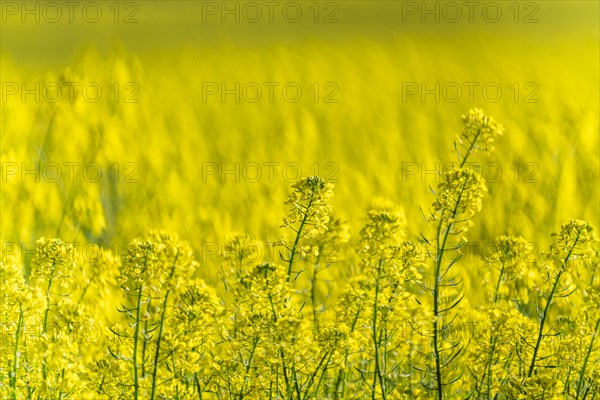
479,133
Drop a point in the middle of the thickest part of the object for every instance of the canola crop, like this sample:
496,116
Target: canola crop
362,204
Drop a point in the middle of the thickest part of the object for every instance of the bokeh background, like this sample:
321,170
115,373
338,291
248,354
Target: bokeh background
358,121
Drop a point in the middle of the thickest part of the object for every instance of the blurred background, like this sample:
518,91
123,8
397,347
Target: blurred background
197,116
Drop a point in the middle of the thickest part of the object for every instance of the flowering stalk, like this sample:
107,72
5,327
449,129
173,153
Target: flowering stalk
509,252
308,218
326,251
136,335
581,379
53,263
459,198
309,214
297,239
349,313
46,313
387,263
572,242
13,378
161,327
377,376
152,269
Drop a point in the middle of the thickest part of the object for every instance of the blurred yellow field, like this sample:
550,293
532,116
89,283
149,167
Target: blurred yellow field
295,200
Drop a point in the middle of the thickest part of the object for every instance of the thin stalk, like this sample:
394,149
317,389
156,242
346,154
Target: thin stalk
587,358
440,254
297,240
377,376
83,293
136,332
436,294
499,281
313,293
472,145
248,364
488,369
158,341
296,386
281,352
198,388
46,313
547,309
161,328
145,341
62,376
314,374
323,374
342,373
13,379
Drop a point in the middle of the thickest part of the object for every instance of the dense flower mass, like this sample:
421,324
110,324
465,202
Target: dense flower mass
407,322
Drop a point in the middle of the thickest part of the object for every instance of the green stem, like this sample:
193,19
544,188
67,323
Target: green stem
322,373
499,281
62,377
145,342
313,294
198,388
436,307
158,341
587,358
249,363
13,379
542,323
547,309
161,328
83,293
471,148
489,366
297,240
281,352
378,374
46,314
488,369
136,384
342,373
296,385
436,291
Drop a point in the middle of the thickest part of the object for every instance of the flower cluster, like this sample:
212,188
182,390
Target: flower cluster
157,262
309,218
459,196
512,258
573,243
384,229
310,209
53,264
479,133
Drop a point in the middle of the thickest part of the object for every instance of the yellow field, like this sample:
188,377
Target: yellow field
176,124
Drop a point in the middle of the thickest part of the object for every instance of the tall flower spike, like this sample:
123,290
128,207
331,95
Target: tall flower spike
309,214
478,134
310,204
511,256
